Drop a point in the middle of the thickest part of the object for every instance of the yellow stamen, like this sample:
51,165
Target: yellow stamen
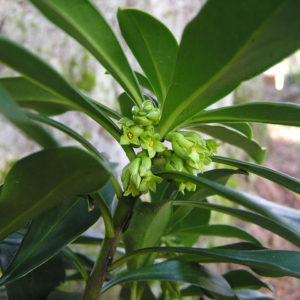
130,135
151,144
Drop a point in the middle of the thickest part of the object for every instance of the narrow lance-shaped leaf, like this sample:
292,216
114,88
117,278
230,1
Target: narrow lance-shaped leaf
153,45
215,230
143,81
148,223
272,263
243,128
14,114
49,233
259,112
216,53
177,271
233,137
288,217
247,216
85,23
44,179
285,180
25,62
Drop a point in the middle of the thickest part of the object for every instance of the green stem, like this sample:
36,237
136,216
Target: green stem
107,218
116,186
106,254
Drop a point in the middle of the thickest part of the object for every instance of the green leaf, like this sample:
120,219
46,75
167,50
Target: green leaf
285,180
30,95
126,105
63,128
14,114
247,216
258,112
148,224
49,233
216,53
243,128
144,82
285,216
15,56
42,180
234,138
37,284
95,35
60,295
153,45
252,295
265,262
242,279
215,230
177,271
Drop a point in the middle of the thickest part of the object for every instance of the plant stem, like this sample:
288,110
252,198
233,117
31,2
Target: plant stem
106,254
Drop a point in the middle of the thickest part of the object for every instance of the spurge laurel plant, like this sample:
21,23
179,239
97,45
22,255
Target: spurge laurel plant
157,213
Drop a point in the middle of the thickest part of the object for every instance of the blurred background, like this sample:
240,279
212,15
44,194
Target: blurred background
20,21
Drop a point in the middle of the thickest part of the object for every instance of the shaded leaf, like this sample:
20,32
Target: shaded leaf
204,73
152,44
16,116
243,128
148,223
214,230
253,148
144,82
243,279
95,35
285,180
49,233
126,105
258,112
42,180
177,271
265,262
285,216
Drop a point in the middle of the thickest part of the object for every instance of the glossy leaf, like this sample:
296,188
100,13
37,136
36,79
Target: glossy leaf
16,116
177,271
252,295
49,233
30,95
257,112
144,82
44,179
285,180
65,129
216,230
126,105
234,138
285,216
95,35
14,56
243,128
243,279
216,53
36,285
265,262
247,216
153,45
148,223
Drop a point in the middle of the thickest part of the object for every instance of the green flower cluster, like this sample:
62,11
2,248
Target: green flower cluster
190,153
139,132
137,176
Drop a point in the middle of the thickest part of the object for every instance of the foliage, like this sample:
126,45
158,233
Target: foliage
50,198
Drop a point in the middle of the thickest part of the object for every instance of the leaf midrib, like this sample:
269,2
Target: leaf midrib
184,103
45,236
94,46
44,198
162,89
